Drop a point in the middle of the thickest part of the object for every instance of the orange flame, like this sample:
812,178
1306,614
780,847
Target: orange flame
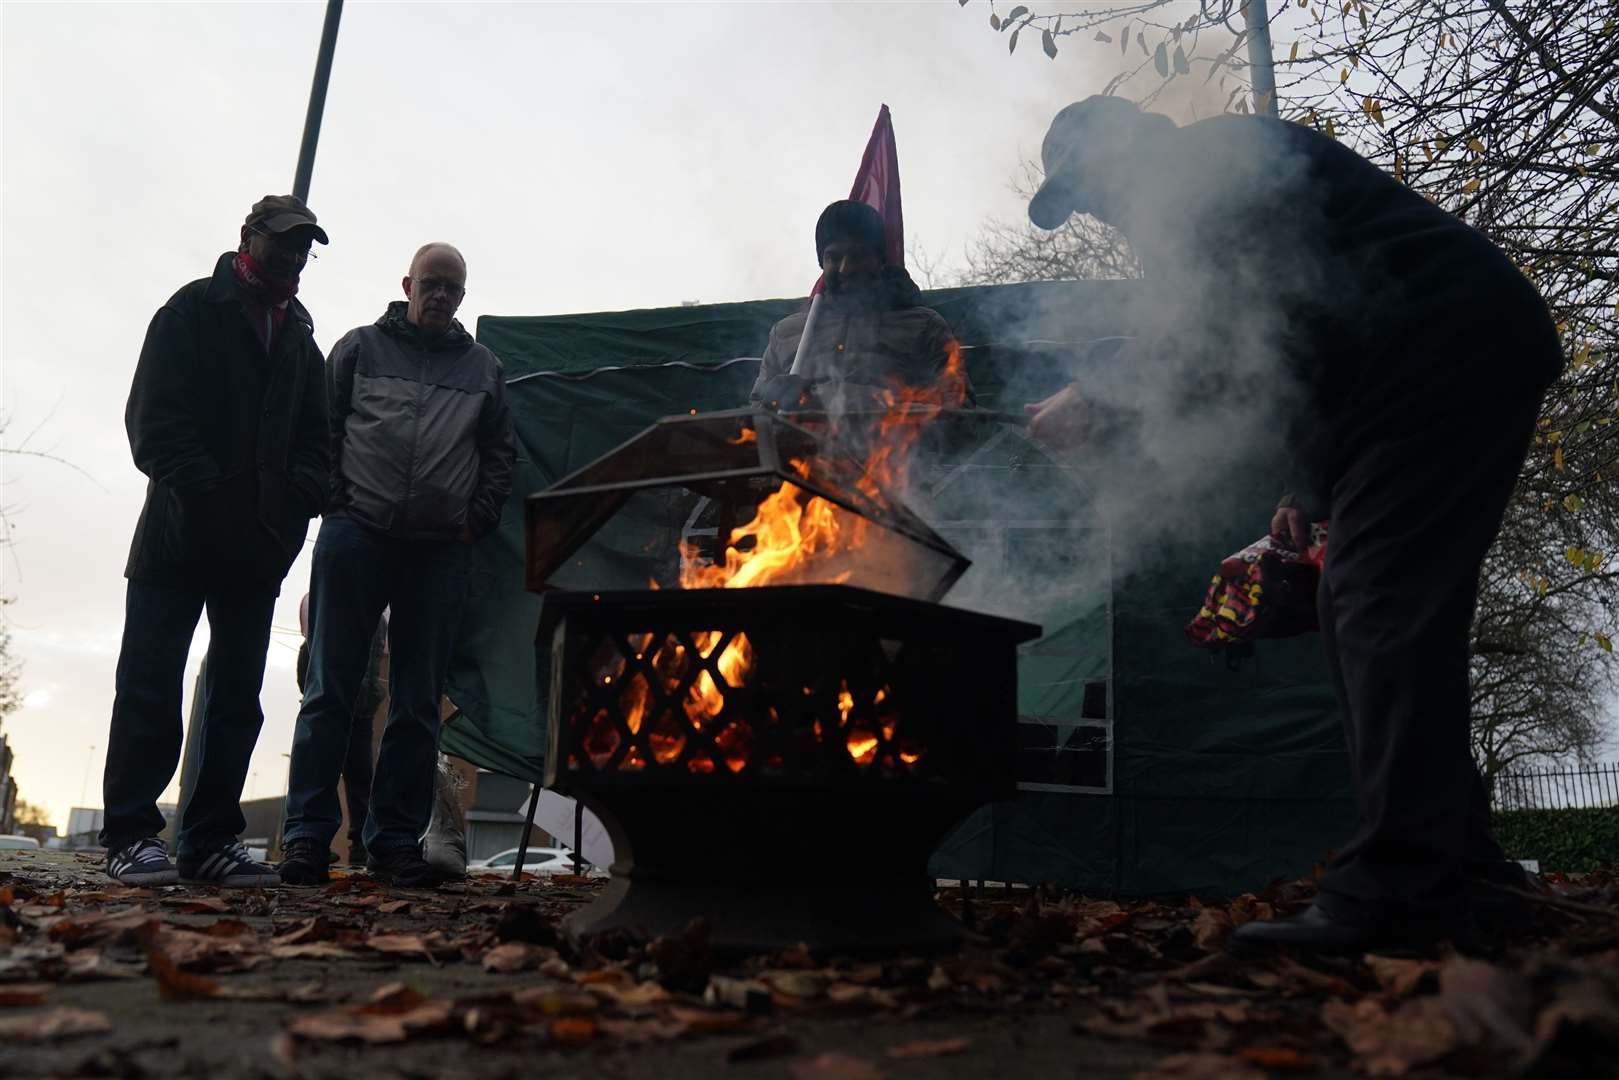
792,537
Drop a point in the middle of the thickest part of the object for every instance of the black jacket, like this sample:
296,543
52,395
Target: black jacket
231,438
1263,240
421,436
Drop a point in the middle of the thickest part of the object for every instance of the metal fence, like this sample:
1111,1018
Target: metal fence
1557,789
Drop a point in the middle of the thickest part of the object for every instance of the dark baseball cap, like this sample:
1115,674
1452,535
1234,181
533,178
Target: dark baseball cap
1097,119
276,214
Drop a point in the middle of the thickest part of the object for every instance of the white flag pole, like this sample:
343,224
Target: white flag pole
803,339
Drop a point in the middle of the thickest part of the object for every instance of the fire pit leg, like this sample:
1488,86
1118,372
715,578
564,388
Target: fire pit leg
755,871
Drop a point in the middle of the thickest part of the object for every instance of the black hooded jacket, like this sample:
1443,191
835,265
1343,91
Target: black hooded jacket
232,439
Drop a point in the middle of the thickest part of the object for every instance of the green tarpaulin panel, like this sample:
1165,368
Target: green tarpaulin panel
1147,766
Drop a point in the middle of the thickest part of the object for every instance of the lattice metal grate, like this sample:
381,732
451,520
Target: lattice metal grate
812,685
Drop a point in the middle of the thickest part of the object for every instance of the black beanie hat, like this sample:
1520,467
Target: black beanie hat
850,220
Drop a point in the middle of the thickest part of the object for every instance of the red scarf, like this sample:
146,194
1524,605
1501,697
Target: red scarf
270,291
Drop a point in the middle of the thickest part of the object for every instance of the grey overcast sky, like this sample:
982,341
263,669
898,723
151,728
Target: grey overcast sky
584,156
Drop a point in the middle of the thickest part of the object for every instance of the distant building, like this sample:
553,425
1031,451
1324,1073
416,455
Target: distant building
8,789
84,824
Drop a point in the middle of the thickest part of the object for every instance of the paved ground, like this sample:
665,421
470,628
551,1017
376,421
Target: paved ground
355,980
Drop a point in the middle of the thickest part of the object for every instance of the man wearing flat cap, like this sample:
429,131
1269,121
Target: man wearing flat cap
871,332
1406,357
227,419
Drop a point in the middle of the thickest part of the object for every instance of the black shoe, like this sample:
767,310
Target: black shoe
303,862
230,866
1504,900
145,862
1318,930
404,867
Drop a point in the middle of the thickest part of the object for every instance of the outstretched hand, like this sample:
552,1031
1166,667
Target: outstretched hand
1061,420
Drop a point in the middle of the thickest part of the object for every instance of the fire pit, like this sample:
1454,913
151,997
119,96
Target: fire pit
779,759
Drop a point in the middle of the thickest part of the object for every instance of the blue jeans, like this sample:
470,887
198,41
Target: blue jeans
357,572
144,744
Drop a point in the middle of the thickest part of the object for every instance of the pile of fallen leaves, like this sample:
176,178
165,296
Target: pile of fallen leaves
1150,974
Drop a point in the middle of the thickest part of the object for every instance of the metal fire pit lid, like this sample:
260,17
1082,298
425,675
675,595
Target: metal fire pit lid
737,458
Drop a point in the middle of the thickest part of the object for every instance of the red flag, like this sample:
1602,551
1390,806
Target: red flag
876,183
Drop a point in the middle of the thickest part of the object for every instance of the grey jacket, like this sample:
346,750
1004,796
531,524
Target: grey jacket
421,436
856,352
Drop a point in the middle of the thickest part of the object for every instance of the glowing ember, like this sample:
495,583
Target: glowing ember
862,746
701,763
668,739
635,699
845,703
735,744
601,740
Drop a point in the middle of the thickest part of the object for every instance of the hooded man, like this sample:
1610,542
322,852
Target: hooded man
227,419
422,455
1407,357
871,332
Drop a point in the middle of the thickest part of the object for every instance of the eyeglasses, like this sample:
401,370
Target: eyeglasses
429,286
303,250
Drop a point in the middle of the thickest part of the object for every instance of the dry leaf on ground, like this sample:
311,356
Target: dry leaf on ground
174,984
1211,929
315,950
645,1030
199,905
930,1048
573,1030
1201,1067
833,1066
1399,976
633,996
93,966
23,994
376,1023
1487,1005
798,984
317,928
1416,1033
228,928
516,956
435,946
123,928
704,1022
1278,1059
55,1024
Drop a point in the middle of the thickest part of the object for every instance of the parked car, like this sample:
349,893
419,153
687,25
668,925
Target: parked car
18,843
539,860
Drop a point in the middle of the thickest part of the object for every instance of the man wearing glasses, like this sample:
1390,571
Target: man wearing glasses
421,464
227,419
